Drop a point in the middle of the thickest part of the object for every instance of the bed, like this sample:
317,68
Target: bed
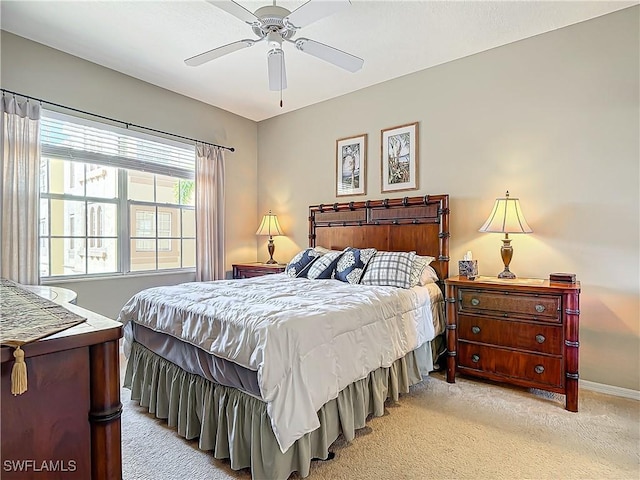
268,371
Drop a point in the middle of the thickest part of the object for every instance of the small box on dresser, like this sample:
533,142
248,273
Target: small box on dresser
256,269
522,331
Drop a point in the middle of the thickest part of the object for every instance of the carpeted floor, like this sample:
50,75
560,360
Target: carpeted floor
470,429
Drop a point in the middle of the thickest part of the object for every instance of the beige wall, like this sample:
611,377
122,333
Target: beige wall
42,72
553,119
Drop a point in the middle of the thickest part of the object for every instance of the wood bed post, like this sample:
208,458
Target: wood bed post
572,343
452,332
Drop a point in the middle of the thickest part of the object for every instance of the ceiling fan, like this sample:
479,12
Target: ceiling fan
276,25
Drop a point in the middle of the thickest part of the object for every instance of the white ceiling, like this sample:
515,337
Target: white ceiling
150,40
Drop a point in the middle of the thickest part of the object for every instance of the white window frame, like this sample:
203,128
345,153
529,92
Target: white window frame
173,167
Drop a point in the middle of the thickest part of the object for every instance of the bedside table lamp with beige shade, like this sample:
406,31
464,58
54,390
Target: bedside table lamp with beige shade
506,217
270,226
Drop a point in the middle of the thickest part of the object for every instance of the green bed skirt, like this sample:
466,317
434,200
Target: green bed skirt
235,425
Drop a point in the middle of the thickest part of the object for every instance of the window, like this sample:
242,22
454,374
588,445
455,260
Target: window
112,200
163,230
145,220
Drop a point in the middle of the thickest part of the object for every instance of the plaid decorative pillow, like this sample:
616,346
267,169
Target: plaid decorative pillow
352,263
299,264
325,266
389,268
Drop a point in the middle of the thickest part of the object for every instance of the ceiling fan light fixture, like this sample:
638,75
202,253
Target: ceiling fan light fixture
277,75
274,39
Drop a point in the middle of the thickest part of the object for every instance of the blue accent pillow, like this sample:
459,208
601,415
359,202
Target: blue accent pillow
389,268
352,263
300,263
324,267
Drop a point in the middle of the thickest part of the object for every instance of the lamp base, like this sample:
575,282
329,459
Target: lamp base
271,248
506,274
506,252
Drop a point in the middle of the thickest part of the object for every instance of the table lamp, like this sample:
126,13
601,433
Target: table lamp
506,217
270,226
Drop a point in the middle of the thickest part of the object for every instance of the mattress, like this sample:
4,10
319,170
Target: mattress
195,360
299,341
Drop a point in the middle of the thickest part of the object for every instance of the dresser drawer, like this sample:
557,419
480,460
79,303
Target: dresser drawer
503,304
538,369
540,337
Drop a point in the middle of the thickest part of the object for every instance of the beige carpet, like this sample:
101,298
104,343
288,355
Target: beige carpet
471,429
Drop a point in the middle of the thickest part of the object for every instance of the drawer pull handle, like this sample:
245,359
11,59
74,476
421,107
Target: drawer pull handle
475,358
540,338
475,302
475,329
539,308
539,369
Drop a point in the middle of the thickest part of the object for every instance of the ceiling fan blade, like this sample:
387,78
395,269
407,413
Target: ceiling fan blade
218,52
314,10
277,72
329,54
237,10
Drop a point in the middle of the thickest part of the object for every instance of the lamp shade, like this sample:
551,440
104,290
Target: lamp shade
269,225
506,217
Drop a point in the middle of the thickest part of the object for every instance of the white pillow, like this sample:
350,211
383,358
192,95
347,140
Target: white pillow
420,262
428,276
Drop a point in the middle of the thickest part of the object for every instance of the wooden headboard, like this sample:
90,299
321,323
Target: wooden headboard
419,224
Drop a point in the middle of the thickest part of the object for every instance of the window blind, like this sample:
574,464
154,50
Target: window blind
82,140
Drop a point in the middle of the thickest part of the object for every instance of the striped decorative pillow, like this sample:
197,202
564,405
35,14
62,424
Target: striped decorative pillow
325,266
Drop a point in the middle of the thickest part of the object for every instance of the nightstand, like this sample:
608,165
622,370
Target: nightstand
518,331
257,269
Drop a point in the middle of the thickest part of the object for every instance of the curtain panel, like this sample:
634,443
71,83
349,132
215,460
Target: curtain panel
210,251
19,258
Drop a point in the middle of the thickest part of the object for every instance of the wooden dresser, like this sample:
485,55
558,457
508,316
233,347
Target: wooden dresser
246,270
67,424
521,331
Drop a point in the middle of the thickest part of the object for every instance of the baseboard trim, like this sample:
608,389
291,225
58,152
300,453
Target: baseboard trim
610,389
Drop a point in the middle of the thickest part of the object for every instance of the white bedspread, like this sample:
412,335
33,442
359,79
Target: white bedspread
307,339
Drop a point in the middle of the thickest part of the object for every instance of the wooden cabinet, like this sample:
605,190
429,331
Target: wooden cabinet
246,270
520,331
66,425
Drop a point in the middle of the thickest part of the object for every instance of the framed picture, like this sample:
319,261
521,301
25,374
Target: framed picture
399,160
351,165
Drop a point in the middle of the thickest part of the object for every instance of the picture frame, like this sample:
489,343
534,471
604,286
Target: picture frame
351,165
399,158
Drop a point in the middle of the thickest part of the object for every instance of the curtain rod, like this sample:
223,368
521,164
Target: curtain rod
126,124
